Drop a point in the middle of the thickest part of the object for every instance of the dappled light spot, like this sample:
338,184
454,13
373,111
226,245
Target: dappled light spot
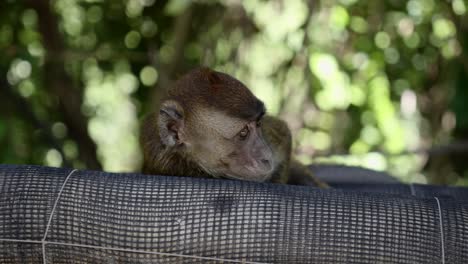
148,28
175,7
451,49
359,60
358,96
335,92
459,7
359,24
382,40
36,49
406,27
339,17
449,121
134,8
385,114
22,69
53,158
264,57
73,16
148,75
413,40
420,8
264,90
323,65
29,18
443,28
372,160
359,147
104,51
94,14
288,17
132,39
322,140
408,103
19,70
127,82
419,62
375,160
70,149
392,56
59,130
371,135
26,88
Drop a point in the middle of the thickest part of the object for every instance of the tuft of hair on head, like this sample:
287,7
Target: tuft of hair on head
213,78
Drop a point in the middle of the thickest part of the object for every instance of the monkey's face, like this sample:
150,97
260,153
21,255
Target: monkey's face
213,119
231,147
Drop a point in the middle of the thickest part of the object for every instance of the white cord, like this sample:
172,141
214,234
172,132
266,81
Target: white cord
413,191
442,244
43,240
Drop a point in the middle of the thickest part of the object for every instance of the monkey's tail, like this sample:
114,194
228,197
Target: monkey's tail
301,175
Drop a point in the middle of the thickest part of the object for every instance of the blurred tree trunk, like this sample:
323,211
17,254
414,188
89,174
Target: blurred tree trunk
168,71
459,104
59,84
441,167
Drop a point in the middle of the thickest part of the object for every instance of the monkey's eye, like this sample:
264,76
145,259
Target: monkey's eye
259,123
244,133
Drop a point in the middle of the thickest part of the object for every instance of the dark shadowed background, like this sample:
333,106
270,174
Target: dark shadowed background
381,84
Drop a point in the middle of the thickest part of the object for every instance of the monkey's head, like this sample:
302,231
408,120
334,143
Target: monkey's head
214,120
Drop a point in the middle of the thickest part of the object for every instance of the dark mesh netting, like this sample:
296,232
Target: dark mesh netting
418,190
337,173
59,216
365,180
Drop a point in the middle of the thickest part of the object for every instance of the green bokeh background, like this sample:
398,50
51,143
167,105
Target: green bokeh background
380,84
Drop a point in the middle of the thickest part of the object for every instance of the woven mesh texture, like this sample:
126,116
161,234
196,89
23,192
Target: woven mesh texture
131,218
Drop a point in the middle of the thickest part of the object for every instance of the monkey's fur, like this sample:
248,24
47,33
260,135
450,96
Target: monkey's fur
211,125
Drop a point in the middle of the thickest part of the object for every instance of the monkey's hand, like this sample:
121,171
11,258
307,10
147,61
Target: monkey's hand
299,174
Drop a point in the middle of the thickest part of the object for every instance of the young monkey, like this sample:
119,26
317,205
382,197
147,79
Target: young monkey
211,125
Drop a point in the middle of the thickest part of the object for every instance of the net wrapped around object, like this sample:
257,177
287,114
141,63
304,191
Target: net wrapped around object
62,216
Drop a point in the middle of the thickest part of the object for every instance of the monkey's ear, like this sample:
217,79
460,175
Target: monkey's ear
171,123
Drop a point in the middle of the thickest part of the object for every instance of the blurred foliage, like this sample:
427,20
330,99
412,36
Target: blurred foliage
382,84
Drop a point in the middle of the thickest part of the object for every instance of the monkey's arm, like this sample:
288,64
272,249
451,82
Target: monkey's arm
278,136
289,171
299,174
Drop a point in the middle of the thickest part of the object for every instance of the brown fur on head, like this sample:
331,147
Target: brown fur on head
208,126
205,88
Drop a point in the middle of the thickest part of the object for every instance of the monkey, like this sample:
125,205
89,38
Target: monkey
211,125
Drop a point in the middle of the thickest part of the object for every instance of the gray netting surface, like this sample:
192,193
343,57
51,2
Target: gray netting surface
130,218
